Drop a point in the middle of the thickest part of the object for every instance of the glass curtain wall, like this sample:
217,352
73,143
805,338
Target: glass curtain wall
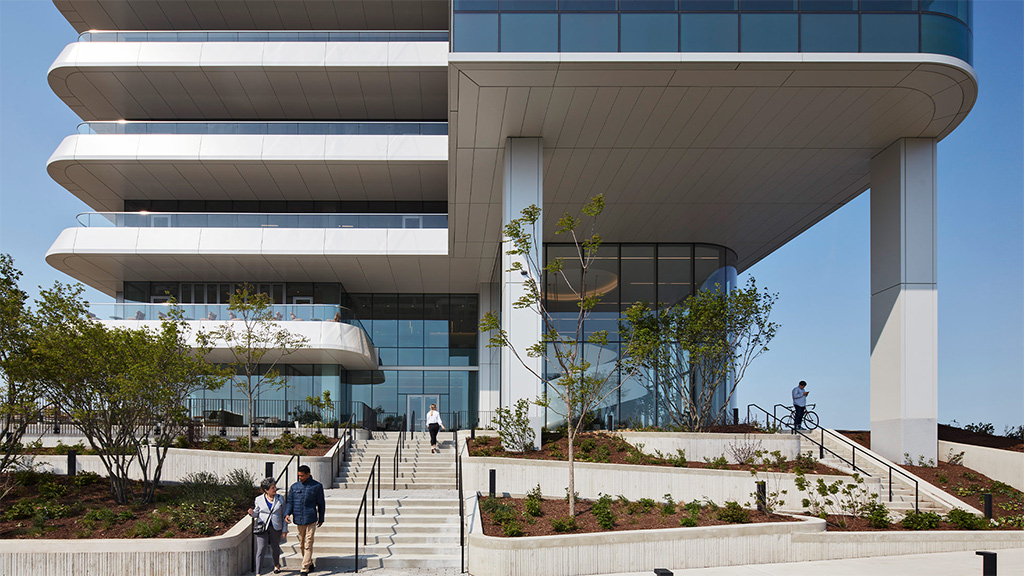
622,274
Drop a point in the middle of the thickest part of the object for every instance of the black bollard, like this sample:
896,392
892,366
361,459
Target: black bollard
472,432
270,470
736,416
610,427
762,496
72,464
987,498
988,567
492,482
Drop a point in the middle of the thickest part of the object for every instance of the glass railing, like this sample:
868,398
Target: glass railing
286,128
268,36
218,312
258,220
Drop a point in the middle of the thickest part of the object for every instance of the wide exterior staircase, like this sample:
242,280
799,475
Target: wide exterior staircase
415,524
876,475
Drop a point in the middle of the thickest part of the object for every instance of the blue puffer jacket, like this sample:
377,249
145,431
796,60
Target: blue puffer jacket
306,503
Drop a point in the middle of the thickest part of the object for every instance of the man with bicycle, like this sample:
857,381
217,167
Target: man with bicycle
799,404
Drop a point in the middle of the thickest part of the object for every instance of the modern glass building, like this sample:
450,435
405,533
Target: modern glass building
358,159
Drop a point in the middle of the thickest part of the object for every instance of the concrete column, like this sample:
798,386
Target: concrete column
904,301
523,186
490,358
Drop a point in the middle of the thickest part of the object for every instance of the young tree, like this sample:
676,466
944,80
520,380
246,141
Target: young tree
18,397
696,352
258,344
579,364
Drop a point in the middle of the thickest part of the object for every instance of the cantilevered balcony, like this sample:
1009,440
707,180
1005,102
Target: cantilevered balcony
211,75
109,162
334,334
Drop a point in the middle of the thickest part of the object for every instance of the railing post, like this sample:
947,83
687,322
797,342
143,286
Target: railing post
821,446
890,483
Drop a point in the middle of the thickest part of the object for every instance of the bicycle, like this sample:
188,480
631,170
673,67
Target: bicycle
810,421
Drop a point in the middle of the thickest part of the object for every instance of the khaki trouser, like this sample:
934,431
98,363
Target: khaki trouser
306,544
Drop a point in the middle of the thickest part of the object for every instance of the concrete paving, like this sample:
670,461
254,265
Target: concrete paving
1009,563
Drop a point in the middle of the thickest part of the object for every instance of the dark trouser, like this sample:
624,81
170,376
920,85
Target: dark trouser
270,538
433,433
798,419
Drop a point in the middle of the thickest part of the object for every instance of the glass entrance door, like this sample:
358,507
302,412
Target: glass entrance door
416,408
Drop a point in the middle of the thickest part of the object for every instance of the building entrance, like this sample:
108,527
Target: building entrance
416,407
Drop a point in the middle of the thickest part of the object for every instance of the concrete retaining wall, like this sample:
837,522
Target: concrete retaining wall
708,445
1004,465
226,555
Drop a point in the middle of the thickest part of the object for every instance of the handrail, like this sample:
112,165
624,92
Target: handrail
374,468
397,459
284,471
462,511
822,449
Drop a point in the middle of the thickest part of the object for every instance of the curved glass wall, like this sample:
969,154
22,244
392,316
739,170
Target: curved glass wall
623,274
283,128
280,312
259,220
901,26
267,36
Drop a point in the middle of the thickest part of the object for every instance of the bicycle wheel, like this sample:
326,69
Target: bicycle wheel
787,422
810,420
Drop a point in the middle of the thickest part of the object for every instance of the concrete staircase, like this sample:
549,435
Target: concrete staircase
415,526
877,478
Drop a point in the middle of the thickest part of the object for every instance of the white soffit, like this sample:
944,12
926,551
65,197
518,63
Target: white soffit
255,14
103,170
741,150
253,80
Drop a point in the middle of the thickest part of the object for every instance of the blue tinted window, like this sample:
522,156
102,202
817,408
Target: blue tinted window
941,35
888,33
709,33
828,5
955,8
475,32
529,5
475,5
650,32
767,5
768,33
588,5
888,5
828,33
590,32
529,32
708,5
648,5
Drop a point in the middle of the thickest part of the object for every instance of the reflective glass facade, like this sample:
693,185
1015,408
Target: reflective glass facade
901,26
623,274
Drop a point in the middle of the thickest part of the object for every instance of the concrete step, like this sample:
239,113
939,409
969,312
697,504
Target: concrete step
341,484
374,561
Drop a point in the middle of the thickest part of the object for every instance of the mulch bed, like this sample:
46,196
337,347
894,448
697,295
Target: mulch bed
604,448
586,522
79,502
950,434
285,444
968,485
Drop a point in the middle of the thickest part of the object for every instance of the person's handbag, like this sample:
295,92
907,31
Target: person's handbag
259,527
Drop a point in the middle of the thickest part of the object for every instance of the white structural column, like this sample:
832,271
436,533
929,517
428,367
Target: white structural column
904,301
523,186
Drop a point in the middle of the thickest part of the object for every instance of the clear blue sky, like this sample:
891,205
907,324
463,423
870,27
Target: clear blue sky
822,276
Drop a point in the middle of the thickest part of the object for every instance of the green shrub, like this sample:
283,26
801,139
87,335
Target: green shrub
20,510
691,520
964,520
319,438
512,529
104,516
308,443
30,477
586,445
575,496
201,486
189,517
877,515
646,504
240,486
533,508
564,524
85,479
181,442
679,460
669,507
688,521
914,520
719,463
733,513
804,463
51,490
505,515
148,528
602,510
218,443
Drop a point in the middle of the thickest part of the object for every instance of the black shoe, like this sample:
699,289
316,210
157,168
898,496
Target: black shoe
312,567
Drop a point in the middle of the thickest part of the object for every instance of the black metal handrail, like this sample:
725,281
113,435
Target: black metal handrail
373,505
397,459
284,472
462,510
853,462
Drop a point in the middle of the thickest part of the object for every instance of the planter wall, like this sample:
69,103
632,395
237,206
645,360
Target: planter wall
227,555
709,445
1004,465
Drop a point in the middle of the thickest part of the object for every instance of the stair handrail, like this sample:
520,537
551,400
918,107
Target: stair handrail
462,510
374,468
284,472
397,459
853,462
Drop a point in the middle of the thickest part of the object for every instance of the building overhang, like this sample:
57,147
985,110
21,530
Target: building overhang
742,150
252,80
255,14
103,170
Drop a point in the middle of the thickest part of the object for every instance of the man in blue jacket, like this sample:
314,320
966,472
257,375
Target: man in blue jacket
306,503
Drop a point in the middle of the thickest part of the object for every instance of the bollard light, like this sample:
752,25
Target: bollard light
492,482
988,567
72,464
987,498
762,496
270,470
662,572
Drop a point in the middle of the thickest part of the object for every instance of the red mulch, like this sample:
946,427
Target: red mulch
95,496
292,444
950,434
586,522
603,448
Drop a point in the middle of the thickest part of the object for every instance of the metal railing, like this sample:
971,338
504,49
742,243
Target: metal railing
462,504
397,459
281,128
852,462
266,36
262,220
374,474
